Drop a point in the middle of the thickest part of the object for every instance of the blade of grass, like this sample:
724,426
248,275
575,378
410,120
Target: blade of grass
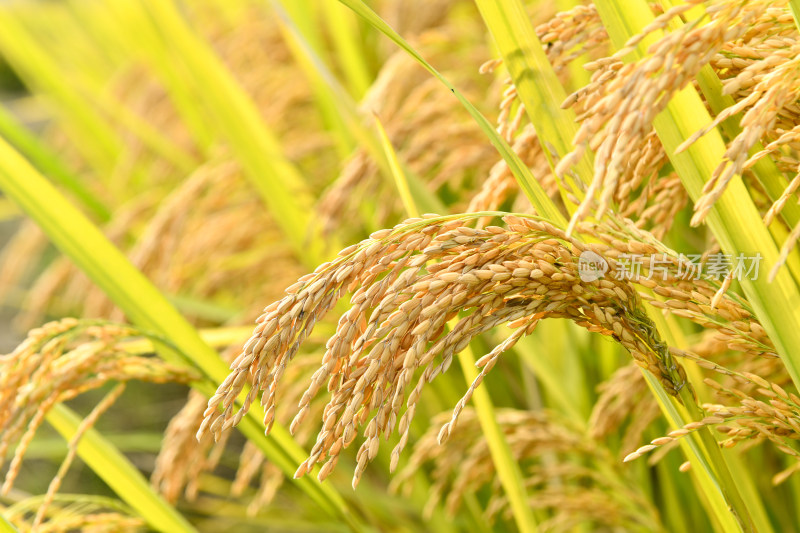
139,37
52,448
540,90
118,473
532,354
146,307
622,22
49,163
702,467
578,76
41,73
507,468
117,112
89,81
88,27
536,82
303,32
344,33
215,337
532,189
399,178
794,5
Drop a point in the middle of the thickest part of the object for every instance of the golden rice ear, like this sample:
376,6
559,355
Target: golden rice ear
617,108
407,283
58,362
622,396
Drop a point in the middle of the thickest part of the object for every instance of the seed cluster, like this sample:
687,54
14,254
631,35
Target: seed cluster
408,283
183,460
56,363
752,48
622,100
67,515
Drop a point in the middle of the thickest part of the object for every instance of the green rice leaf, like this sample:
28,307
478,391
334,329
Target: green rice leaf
348,114
535,80
795,7
397,172
119,474
278,181
41,73
49,163
508,471
5,527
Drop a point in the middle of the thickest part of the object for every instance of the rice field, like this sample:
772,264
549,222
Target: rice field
399,266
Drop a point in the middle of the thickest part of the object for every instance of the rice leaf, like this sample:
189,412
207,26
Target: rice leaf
399,177
41,73
5,527
794,5
119,474
507,468
350,53
49,163
535,80
348,114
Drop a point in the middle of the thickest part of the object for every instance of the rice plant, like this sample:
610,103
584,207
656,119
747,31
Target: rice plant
591,208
